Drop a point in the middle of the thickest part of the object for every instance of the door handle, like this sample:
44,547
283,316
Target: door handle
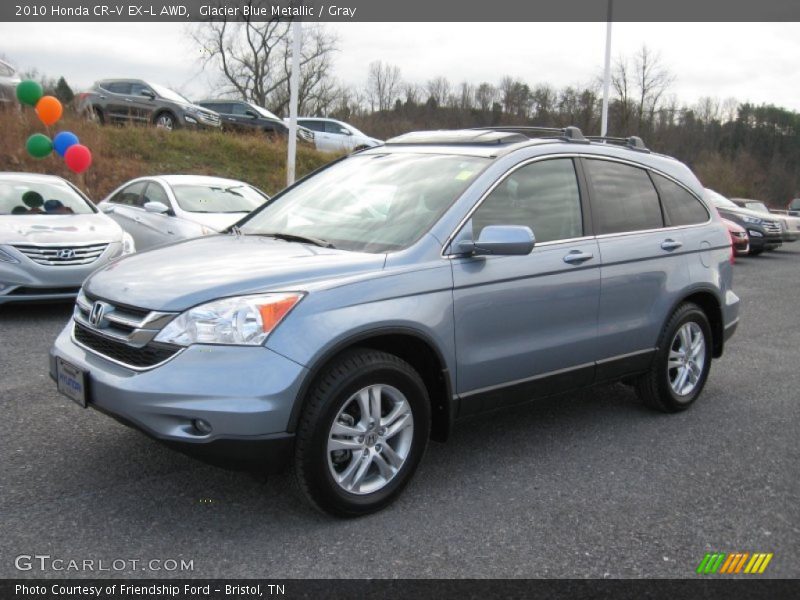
670,244
576,257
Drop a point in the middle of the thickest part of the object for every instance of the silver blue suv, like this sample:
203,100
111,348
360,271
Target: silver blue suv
370,306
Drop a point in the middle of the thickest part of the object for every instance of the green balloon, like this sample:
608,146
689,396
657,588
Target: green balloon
29,92
39,145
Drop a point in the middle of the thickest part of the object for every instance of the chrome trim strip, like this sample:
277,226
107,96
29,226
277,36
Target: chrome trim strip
732,323
500,386
138,338
623,356
61,244
122,364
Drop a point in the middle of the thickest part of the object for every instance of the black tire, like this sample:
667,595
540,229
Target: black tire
166,120
754,252
355,370
654,387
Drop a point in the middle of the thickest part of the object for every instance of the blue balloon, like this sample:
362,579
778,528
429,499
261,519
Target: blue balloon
64,140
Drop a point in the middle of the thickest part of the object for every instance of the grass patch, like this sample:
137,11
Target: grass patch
121,153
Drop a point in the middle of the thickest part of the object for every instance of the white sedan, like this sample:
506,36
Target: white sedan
331,135
167,208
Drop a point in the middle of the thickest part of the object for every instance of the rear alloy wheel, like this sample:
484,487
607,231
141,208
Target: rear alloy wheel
166,121
681,364
362,433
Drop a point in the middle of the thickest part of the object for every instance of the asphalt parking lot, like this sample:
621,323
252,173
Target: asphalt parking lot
589,485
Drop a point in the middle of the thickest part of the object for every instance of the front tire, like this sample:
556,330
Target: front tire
682,362
165,120
362,433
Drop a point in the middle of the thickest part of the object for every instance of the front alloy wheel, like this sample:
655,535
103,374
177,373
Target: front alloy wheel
165,121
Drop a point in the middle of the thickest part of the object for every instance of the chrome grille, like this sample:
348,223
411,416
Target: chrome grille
66,255
122,334
772,227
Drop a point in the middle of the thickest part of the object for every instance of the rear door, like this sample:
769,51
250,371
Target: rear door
526,326
324,141
643,265
116,105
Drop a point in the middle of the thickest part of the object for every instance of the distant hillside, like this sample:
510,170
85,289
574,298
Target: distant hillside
121,153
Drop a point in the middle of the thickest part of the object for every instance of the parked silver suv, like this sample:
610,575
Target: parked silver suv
373,304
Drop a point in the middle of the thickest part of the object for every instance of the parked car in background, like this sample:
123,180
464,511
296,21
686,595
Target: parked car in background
793,208
331,135
740,241
51,238
138,101
790,225
765,233
238,115
167,208
327,330
8,84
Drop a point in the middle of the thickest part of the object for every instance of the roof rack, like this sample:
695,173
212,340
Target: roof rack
633,142
568,134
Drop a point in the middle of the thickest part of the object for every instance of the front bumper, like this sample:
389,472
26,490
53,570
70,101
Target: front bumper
762,241
28,281
245,394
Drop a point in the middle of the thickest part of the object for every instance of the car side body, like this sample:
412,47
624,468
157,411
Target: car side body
332,135
238,115
478,308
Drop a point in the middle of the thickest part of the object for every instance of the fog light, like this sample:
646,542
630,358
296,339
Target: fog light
190,120
203,427
755,233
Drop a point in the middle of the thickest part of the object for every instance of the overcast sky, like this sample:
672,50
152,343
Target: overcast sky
749,61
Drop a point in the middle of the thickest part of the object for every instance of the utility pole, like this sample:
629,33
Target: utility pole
294,82
607,72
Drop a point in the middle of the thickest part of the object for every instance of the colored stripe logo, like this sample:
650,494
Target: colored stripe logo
733,563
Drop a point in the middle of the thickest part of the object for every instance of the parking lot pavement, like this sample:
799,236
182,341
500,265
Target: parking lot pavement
590,485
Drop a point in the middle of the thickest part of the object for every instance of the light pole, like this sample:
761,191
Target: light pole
606,73
294,79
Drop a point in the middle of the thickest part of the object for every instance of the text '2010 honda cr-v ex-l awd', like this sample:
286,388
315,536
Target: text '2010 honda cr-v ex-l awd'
371,305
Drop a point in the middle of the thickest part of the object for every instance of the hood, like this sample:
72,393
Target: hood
58,229
182,275
746,212
216,221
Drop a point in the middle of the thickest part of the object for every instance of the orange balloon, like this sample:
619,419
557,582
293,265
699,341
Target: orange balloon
49,110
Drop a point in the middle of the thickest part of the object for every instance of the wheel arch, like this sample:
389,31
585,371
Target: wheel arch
708,301
163,111
412,346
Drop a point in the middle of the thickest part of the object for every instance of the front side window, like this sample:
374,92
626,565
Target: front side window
313,125
155,193
680,206
137,89
31,199
118,87
370,203
543,196
624,198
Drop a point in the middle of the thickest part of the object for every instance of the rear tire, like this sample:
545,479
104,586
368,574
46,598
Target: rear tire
362,433
681,364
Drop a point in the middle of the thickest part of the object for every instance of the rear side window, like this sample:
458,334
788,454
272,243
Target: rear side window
543,195
680,207
624,198
130,195
117,87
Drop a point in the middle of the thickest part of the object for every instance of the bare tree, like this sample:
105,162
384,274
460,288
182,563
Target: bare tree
383,85
707,109
652,80
438,90
253,59
485,96
466,94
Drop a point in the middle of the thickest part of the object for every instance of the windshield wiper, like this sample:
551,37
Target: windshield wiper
290,237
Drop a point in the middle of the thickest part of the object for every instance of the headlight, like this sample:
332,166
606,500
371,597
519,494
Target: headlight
128,245
243,320
6,257
755,233
754,220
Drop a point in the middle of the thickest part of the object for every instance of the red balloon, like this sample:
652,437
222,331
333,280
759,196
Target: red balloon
78,158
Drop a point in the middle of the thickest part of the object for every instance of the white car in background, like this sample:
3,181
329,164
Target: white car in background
331,135
51,238
9,80
167,208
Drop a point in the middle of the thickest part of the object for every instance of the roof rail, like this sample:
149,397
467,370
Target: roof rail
568,134
633,142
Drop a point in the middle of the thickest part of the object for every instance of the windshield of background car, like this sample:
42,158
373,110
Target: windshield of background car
168,94
264,112
719,200
371,202
218,198
31,199
757,206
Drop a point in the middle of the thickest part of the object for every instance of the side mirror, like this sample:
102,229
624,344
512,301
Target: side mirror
106,207
344,131
148,94
156,207
503,240
251,114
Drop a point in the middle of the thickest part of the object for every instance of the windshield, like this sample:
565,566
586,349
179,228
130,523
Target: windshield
219,198
370,203
757,206
168,93
30,199
719,200
263,112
